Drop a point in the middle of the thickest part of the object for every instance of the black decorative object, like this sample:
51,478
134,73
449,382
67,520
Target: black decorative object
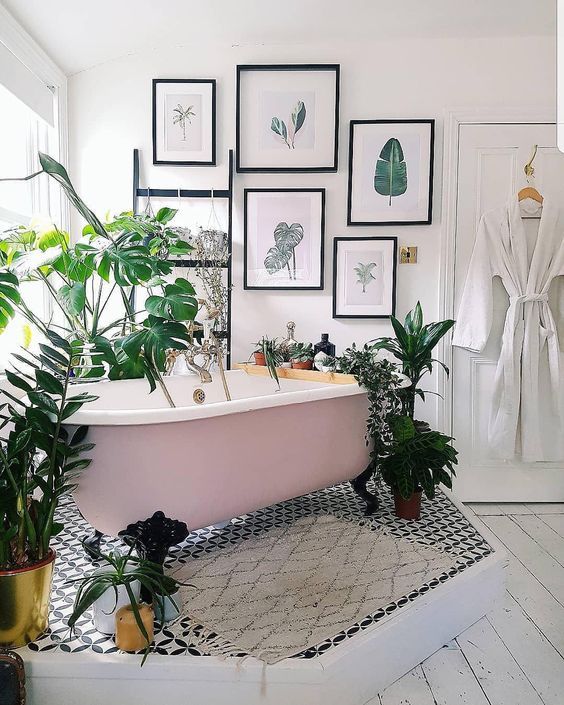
153,537
359,486
12,678
92,544
324,346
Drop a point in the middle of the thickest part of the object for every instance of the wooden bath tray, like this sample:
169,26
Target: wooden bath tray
304,375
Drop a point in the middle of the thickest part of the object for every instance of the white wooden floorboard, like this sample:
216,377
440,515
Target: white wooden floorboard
514,508
556,522
485,509
533,556
542,664
501,677
412,689
545,536
547,508
451,679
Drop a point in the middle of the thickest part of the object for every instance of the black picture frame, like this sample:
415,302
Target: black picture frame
429,215
336,68
246,284
367,238
167,162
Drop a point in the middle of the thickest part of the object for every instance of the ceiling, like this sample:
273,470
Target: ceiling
78,34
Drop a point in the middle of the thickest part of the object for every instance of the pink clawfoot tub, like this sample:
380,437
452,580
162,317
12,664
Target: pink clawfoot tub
204,463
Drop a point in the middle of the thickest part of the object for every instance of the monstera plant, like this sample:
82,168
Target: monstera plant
99,273
287,238
390,176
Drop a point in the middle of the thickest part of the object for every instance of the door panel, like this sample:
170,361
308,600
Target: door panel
490,171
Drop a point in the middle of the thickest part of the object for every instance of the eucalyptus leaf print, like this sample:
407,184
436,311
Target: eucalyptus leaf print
287,238
364,274
297,119
180,116
390,176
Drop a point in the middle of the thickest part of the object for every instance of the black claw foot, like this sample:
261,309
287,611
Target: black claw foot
92,544
359,486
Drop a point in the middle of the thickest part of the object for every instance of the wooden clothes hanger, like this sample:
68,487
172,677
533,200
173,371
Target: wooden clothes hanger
530,191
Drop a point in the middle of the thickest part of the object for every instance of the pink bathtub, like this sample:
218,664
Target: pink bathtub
206,463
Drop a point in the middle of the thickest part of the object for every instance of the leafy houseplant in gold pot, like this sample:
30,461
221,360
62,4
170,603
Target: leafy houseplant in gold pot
418,458
39,462
302,356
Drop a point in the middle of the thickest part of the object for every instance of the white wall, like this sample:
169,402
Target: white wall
110,114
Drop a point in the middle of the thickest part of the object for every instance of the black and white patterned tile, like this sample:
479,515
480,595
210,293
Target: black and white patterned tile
441,525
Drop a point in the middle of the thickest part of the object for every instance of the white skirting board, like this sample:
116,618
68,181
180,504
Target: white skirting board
350,674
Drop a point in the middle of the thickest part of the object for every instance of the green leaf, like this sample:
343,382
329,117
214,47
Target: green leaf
390,176
164,215
287,237
279,127
73,298
156,336
53,238
178,302
298,115
49,382
18,382
53,354
276,259
43,401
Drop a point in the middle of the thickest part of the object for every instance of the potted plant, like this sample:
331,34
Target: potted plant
124,575
39,463
269,355
108,261
259,354
417,460
409,464
302,356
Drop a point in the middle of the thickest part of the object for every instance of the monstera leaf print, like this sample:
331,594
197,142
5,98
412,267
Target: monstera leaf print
297,119
287,238
390,176
364,274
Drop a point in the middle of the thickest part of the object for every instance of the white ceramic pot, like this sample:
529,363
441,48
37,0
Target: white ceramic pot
105,607
172,608
286,365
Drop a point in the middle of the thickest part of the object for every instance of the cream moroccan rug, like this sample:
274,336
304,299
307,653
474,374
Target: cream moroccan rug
278,594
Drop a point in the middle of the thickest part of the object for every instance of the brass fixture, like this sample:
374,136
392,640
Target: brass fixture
408,255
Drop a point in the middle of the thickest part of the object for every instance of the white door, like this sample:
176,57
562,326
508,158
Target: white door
490,170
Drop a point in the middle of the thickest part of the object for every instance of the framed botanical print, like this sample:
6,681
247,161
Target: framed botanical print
390,172
184,121
364,277
283,238
287,118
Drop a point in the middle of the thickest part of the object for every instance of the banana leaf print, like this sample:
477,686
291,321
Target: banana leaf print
390,176
364,274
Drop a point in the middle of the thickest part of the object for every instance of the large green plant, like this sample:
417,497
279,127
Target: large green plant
103,267
39,458
417,458
413,347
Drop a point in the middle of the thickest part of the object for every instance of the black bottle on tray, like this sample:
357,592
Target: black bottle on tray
324,346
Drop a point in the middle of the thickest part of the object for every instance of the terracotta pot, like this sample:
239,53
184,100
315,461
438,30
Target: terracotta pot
128,635
260,359
307,365
24,598
408,508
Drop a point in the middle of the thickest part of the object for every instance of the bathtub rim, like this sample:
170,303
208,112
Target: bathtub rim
135,417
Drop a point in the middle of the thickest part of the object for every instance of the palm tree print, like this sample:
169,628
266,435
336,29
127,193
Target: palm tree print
180,116
364,274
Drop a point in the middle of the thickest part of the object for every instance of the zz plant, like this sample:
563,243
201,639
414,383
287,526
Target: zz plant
98,274
39,458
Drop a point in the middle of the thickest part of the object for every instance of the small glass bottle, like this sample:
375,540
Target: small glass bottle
324,346
290,341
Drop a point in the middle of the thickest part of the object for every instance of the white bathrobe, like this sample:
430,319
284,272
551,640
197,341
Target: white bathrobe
521,415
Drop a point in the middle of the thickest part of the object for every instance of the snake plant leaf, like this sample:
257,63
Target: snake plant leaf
276,259
279,127
298,115
178,302
390,176
287,237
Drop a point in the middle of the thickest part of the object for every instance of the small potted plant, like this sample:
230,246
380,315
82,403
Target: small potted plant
417,461
302,356
418,457
123,575
39,462
258,354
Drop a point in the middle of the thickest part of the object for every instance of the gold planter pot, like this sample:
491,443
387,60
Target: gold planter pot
24,602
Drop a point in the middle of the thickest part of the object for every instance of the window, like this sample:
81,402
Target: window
22,135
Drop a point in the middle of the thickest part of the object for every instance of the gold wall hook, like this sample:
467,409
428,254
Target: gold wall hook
529,169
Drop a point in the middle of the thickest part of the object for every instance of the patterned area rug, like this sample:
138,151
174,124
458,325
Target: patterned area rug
275,595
